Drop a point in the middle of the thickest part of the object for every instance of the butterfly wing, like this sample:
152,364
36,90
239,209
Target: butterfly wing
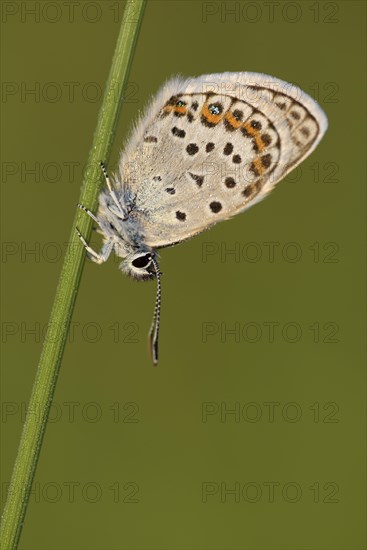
210,147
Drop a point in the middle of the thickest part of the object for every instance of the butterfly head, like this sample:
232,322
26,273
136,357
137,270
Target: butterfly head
140,265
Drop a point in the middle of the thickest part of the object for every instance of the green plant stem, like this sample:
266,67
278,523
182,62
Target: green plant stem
54,344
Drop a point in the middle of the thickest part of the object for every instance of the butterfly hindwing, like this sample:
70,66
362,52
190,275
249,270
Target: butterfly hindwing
209,147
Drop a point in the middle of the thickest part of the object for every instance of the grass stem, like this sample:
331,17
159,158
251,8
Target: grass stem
54,343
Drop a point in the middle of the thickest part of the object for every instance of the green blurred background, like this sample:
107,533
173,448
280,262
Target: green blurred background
137,457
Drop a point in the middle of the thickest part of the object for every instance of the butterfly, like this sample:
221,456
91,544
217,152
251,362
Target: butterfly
205,149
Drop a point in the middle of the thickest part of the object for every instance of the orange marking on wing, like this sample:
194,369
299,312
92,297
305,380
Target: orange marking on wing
177,109
249,129
259,167
233,121
182,110
259,143
256,134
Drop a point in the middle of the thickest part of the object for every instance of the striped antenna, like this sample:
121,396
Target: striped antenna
154,329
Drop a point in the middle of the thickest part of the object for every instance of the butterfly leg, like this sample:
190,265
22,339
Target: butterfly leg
89,212
98,257
120,209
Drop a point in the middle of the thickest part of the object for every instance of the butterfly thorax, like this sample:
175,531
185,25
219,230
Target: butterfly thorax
120,230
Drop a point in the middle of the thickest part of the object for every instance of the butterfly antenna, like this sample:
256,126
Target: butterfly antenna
154,330
112,192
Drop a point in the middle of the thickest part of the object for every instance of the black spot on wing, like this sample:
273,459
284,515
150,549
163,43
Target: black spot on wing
229,182
238,115
215,108
215,207
295,115
266,139
228,148
177,132
197,179
281,105
181,216
192,149
256,125
266,160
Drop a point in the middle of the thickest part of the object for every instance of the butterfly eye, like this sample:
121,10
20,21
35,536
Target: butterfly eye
180,103
142,261
215,108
